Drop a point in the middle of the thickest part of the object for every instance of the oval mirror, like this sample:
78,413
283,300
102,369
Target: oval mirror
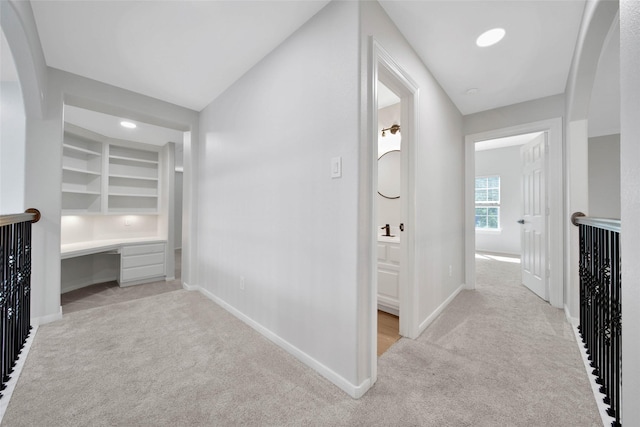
389,174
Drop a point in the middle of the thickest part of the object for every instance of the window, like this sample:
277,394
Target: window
488,203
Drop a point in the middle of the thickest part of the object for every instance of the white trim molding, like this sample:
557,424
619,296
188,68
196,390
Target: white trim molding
382,67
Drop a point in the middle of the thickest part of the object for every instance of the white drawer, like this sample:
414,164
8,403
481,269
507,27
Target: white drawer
394,254
142,249
134,273
382,252
141,260
388,282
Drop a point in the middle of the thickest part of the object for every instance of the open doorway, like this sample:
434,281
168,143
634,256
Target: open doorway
388,214
547,150
510,195
386,71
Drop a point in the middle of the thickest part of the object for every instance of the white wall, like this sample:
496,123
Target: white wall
388,209
270,211
630,241
12,148
82,228
439,172
604,176
516,114
506,163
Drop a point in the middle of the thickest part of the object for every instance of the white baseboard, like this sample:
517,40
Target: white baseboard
438,310
188,287
574,321
607,420
355,391
42,320
17,369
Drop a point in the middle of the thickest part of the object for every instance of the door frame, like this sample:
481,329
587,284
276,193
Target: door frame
555,202
385,69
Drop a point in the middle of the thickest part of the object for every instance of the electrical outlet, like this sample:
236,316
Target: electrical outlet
241,283
450,271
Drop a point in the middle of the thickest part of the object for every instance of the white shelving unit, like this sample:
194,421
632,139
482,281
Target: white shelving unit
133,180
81,175
102,176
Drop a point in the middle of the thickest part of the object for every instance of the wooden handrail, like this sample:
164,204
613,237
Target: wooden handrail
605,223
31,214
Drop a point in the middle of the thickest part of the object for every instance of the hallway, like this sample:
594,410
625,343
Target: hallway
497,356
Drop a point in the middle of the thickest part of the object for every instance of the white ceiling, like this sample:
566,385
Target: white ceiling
532,61
386,97
183,52
108,125
188,52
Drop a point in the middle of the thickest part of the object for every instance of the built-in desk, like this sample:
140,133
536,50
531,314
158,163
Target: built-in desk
142,260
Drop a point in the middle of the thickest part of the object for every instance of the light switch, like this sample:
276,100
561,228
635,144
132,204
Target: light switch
336,167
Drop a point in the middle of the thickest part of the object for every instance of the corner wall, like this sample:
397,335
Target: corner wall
630,241
278,242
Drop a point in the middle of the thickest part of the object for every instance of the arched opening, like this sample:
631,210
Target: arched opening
12,134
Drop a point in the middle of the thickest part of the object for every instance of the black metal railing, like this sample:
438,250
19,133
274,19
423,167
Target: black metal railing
601,305
15,287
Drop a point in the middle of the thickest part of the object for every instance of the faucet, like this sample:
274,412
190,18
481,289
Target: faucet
387,230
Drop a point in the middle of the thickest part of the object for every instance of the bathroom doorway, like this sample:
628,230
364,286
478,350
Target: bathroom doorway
388,214
388,73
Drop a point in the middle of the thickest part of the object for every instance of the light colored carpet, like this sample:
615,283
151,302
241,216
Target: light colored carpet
498,356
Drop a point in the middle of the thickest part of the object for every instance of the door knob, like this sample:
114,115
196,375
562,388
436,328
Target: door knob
521,221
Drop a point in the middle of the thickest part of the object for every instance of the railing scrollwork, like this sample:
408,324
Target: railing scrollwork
15,287
600,304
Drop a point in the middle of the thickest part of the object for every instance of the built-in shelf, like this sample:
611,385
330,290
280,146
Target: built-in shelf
77,203
65,190
82,172
109,178
88,172
133,180
81,150
131,159
111,175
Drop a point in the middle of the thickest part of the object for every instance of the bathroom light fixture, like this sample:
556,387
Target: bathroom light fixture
491,37
393,129
128,125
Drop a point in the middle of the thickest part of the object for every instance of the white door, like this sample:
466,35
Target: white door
534,210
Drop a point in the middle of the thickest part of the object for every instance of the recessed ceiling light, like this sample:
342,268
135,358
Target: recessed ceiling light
128,125
490,37
472,91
